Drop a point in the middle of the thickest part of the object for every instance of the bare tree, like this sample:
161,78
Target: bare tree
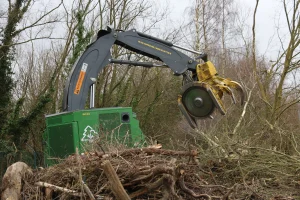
282,69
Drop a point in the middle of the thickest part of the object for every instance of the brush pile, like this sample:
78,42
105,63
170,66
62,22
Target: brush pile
147,173
151,173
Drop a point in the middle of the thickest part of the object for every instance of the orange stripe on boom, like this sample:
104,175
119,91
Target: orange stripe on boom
79,82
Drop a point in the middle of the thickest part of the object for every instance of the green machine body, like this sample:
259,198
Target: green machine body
79,129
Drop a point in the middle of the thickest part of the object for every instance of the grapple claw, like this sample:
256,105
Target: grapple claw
232,96
239,88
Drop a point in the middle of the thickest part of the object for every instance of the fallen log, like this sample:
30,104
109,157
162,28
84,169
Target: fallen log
114,181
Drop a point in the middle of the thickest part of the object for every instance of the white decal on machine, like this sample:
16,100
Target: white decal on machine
88,134
84,67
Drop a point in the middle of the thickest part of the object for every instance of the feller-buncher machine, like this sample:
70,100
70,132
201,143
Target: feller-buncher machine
202,92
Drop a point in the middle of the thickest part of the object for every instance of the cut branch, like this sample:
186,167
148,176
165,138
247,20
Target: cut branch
115,184
57,188
243,113
129,152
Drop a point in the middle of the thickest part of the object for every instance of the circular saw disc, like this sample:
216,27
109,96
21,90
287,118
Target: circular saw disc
197,100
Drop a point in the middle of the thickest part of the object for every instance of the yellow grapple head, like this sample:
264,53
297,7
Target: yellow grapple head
199,98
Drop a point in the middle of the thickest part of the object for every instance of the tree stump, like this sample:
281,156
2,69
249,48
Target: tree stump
12,181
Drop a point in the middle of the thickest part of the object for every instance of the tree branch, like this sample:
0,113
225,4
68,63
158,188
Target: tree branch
36,23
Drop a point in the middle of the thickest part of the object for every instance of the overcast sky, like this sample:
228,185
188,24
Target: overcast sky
268,18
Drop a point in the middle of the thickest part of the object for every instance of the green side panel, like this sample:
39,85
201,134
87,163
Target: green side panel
62,141
108,122
112,128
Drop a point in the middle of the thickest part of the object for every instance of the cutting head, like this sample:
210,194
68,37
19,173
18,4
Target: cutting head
203,93
197,100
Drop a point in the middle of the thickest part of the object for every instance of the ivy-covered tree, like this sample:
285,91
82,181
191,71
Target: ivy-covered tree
14,16
14,123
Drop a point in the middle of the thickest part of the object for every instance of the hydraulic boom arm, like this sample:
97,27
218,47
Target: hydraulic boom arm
201,93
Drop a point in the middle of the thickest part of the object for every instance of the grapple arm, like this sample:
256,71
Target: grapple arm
97,56
201,93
